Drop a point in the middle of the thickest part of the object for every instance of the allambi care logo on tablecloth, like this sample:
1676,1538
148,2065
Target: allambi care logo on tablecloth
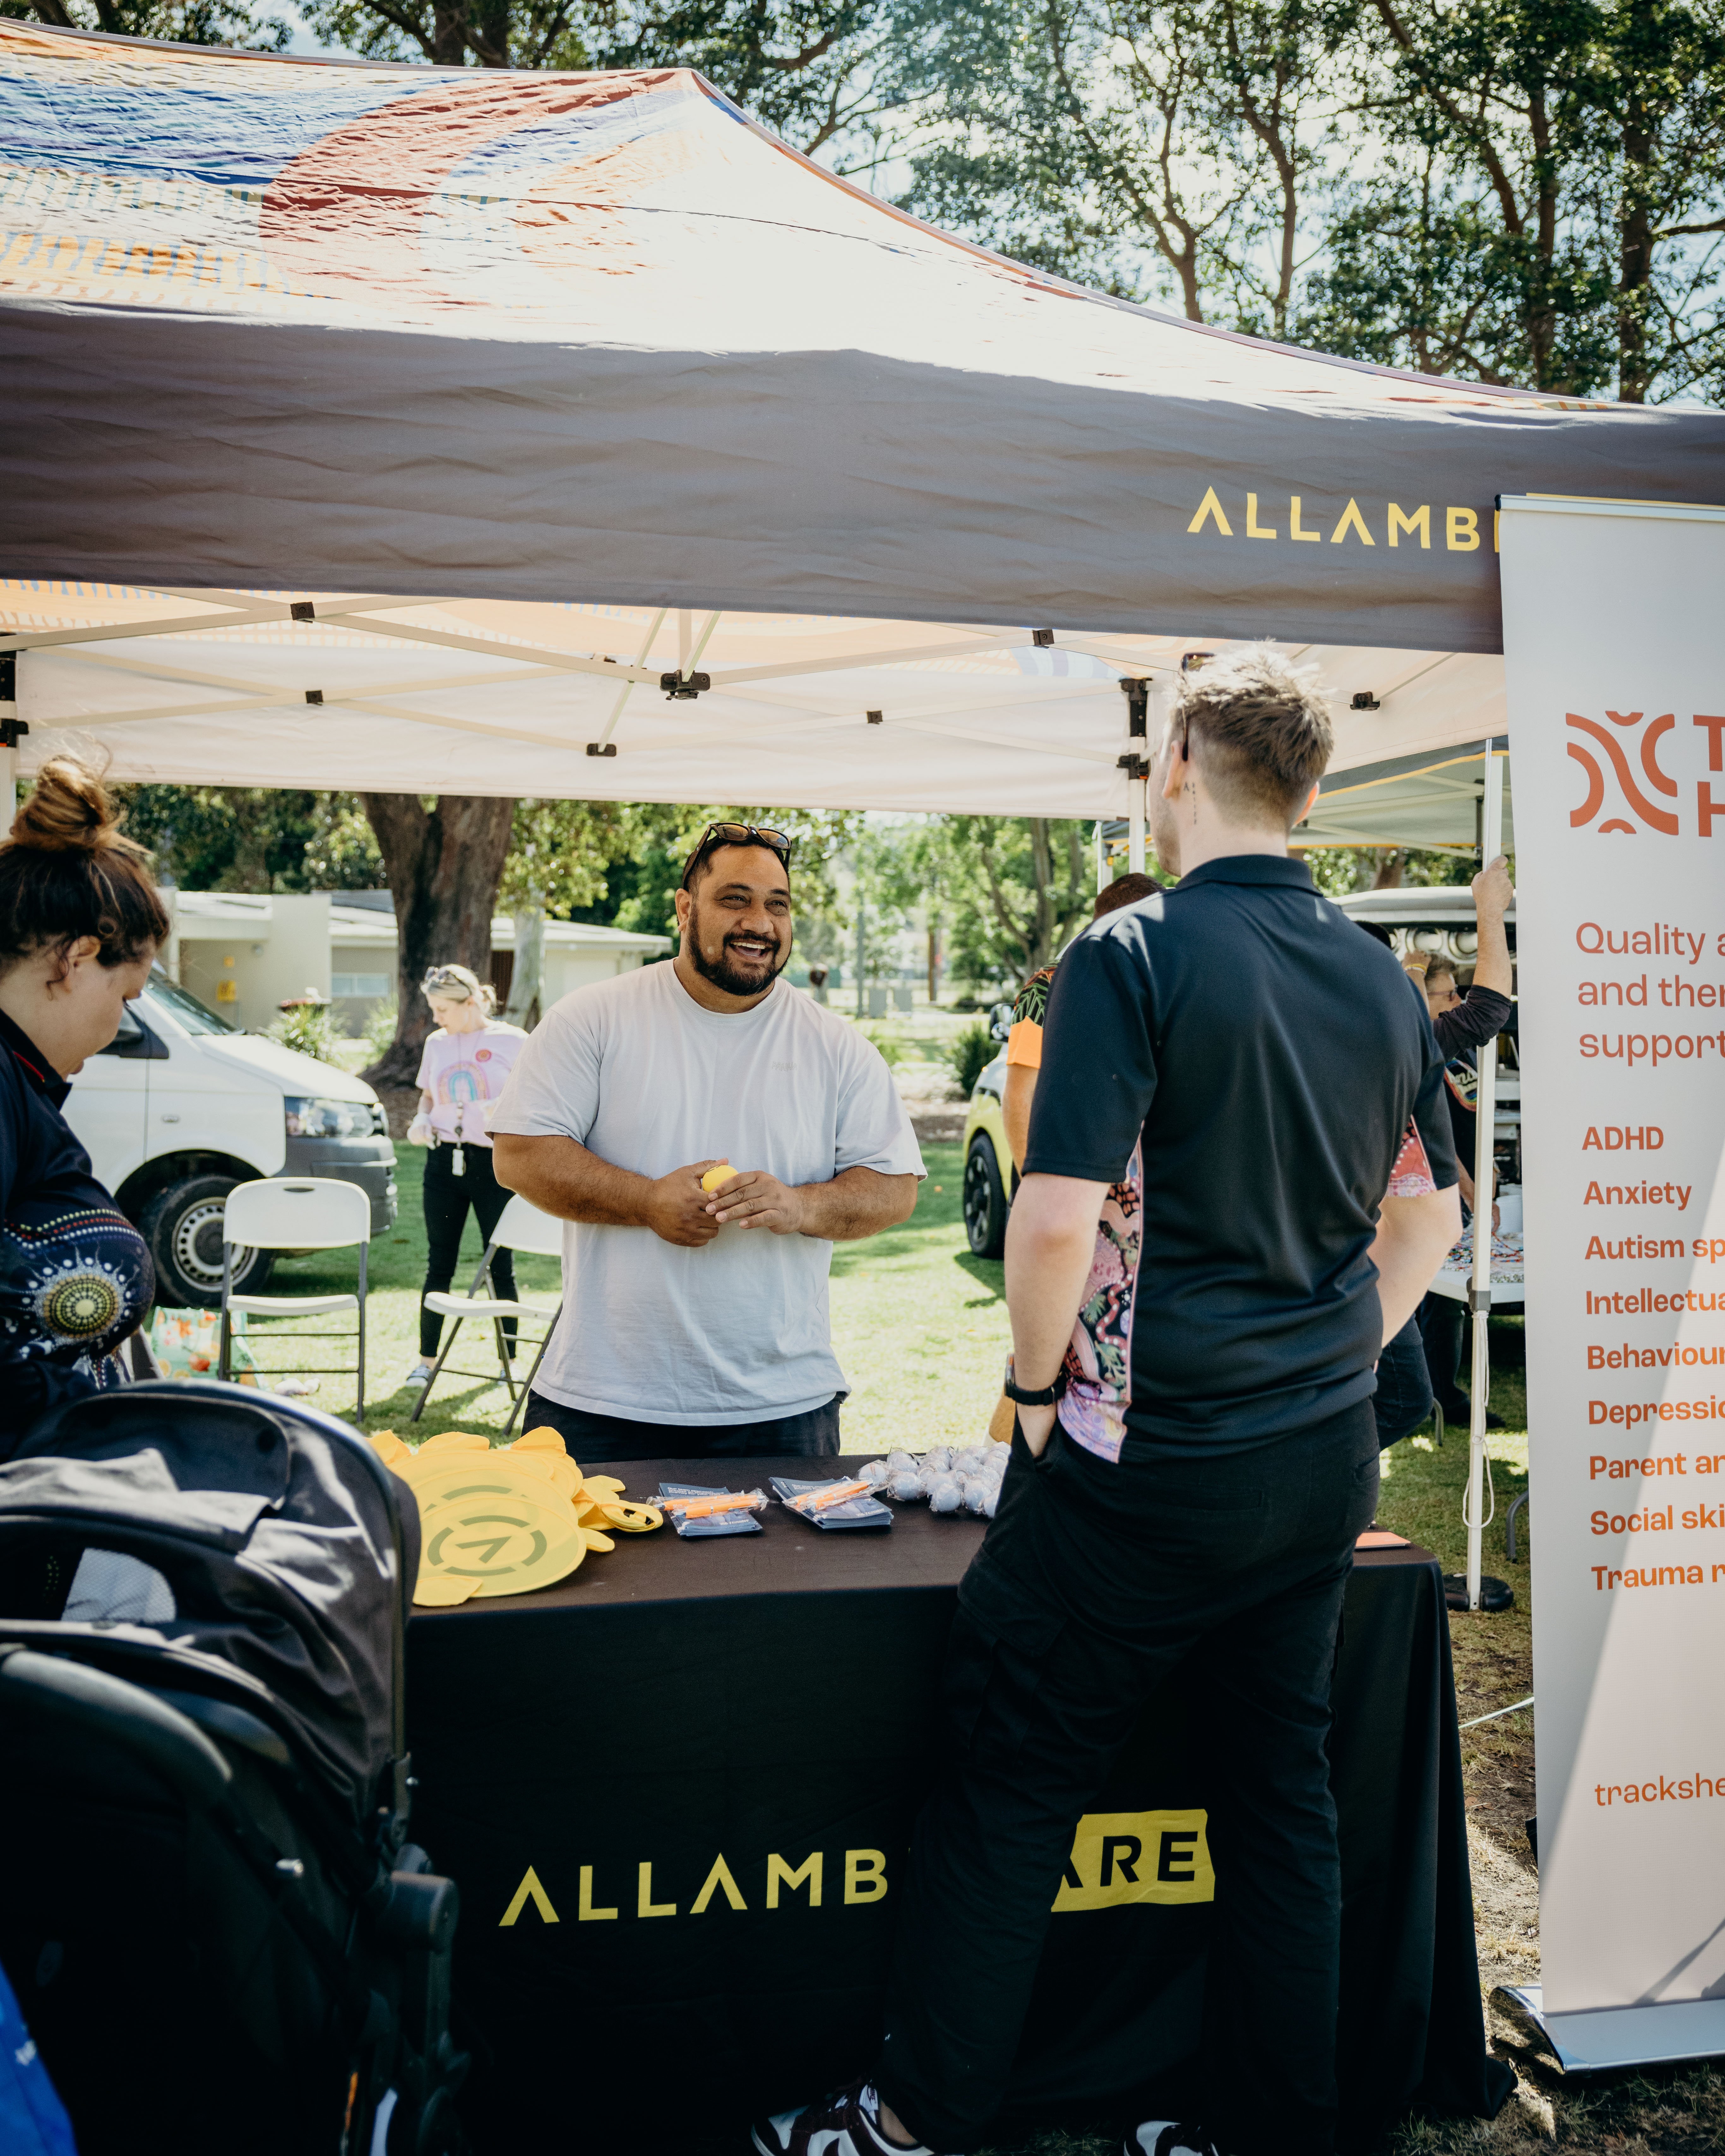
1117,1858
1615,667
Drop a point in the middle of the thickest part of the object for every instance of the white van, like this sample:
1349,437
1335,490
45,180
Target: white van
180,1106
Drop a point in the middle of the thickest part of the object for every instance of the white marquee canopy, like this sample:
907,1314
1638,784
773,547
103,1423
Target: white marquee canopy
381,694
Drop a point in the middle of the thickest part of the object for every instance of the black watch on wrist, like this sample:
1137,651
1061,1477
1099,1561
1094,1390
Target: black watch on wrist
1024,1397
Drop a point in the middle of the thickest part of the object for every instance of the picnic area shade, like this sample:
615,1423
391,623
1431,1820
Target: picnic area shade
569,381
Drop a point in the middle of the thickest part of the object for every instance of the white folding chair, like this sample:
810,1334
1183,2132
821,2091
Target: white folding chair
520,1227
301,1213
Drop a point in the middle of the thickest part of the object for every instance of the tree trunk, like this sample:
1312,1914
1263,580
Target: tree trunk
1388,875
444,866
526,981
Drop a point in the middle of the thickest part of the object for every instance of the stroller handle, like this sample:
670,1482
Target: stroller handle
49,1688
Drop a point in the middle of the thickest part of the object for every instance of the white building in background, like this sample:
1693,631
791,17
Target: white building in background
245,956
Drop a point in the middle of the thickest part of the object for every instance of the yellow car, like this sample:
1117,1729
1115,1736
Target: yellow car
989,1173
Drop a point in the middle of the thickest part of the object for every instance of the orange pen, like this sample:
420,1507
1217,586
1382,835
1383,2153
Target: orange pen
818,1501
698,1508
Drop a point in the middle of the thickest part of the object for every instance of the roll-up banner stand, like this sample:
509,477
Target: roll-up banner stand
1614,650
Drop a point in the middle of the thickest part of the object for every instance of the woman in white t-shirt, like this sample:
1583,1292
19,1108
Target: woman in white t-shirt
461,1072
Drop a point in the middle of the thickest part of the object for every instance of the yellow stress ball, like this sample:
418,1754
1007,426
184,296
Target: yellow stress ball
717,1176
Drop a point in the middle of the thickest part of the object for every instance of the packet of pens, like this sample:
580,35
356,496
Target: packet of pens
693,1509
832,1507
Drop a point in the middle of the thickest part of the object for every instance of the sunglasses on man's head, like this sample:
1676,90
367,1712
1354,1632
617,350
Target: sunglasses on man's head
737,834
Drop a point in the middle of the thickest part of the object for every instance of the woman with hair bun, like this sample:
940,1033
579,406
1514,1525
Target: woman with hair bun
80,923
462,1070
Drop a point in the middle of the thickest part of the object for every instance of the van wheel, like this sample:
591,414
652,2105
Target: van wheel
182,1226
984,1201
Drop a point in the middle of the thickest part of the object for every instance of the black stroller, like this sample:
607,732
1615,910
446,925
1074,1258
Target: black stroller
217,1933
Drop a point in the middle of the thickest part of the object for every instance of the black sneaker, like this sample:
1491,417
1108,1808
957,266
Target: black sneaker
1168,2137
847,2123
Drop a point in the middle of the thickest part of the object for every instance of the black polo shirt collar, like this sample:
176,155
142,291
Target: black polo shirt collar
38,1072
1282,869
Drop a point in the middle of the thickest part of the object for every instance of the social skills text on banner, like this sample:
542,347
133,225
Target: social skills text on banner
1615,651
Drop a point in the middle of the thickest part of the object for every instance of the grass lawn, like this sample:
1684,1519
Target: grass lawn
920,1326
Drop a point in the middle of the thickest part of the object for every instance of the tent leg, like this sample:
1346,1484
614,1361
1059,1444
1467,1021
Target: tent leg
9,731
1484,1183
1102,877
1135,796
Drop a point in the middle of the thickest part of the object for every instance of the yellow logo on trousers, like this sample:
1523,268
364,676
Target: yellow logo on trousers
1136,1856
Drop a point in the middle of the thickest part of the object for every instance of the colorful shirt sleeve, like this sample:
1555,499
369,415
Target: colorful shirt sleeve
1024,1042
1411,1176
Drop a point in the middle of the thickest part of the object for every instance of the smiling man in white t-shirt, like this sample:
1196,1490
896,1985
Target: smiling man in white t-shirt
695,1322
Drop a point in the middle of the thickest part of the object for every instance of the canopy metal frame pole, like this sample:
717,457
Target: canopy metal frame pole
1484,1184
9,731
1137,793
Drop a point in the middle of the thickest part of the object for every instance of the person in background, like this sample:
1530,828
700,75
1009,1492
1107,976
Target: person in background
1024,1060
1241,1062
696,1321
465,1063
1024,1043
1463,1023
80,923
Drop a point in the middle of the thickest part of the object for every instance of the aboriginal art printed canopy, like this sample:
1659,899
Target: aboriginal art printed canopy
401,428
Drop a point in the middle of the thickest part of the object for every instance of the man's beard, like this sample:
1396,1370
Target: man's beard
731,978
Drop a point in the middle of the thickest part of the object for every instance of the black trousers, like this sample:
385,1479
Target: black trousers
1442,1320
813,1435
1094,1583
1403,1400
446,1198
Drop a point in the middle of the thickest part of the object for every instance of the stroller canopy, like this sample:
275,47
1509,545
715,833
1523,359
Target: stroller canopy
281,1536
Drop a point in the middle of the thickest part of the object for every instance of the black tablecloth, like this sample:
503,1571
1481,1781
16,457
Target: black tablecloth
769,1698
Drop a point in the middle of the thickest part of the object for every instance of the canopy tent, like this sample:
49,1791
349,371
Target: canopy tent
570,383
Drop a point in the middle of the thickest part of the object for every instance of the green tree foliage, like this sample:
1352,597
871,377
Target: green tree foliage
1011,889
1158,149
1339,870
1544,207
253,838
181,22
1520,191
807,69
560,853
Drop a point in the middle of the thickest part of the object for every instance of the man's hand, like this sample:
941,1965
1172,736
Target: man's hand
1492,890
755,1199
677,1209
1493,895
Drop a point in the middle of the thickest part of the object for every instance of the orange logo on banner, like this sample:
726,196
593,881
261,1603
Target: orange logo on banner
1651,817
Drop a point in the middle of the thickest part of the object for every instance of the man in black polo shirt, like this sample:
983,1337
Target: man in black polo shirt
1196,1449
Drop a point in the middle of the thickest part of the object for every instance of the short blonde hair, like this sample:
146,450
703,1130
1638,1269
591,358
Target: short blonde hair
1259,728
458,984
